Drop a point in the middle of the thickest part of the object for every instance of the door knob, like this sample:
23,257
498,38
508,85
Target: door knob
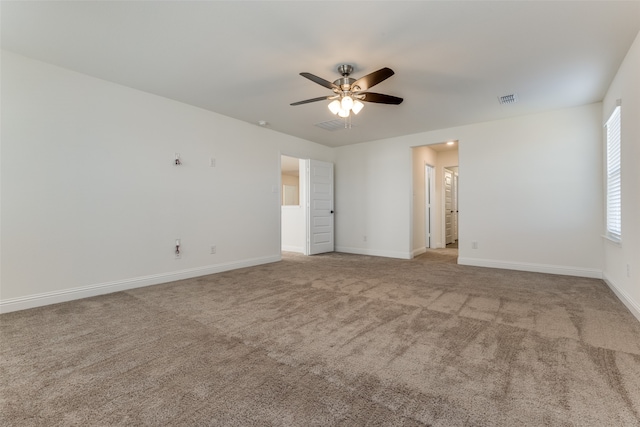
331,211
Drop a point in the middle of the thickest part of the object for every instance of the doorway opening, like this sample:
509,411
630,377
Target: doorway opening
435,197
306,208
292,217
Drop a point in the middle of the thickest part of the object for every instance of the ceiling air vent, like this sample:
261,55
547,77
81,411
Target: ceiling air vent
333,125
508,99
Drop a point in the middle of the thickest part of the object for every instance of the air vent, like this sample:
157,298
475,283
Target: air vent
333,125
508,99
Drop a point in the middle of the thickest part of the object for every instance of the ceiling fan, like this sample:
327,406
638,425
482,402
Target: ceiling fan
348,93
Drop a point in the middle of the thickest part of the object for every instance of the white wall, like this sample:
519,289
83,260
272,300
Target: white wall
293,229
91,202
373,199
626,87
530,192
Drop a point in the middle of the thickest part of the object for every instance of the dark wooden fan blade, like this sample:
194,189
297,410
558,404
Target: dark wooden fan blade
320,81
381,98
306,101
373,79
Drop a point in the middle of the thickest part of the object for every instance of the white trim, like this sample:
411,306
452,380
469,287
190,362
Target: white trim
361,251
287,248
417,252
38,300
536,268
633,307
612,241
430,199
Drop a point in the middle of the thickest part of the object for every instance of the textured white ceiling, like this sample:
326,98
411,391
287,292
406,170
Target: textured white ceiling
452,59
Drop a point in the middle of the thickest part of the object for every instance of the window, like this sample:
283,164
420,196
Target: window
614,212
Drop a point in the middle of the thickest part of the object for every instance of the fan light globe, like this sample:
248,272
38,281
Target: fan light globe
347,103
343,113
334,106
357,106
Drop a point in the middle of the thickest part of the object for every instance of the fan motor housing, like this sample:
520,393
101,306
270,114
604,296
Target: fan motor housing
344,83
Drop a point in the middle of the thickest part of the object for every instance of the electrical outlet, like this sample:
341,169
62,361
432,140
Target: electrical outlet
213,249
364,238
628,270
212,162
474,245
177,250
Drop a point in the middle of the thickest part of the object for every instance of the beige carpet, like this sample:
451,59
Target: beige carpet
327,340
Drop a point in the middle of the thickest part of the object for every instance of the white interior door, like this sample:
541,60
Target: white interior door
448,206
320,207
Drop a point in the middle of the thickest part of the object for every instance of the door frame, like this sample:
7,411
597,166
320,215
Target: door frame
445,171
454,203
430,192
304,197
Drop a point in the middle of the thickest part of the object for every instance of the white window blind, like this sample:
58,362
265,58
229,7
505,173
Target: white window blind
614,211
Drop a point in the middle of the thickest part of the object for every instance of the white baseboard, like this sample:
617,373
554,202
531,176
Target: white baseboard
536,268
298,249
373,252
417,252
38,300
633,306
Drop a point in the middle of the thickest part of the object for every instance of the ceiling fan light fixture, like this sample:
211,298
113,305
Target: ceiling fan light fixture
357,106
347,92
346,103
334,106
